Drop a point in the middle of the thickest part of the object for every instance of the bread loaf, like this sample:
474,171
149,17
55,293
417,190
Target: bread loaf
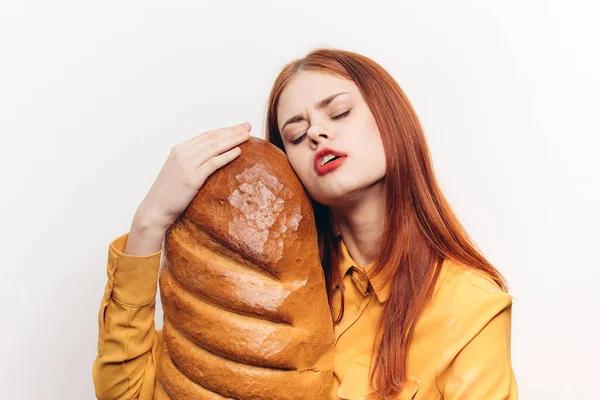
243,292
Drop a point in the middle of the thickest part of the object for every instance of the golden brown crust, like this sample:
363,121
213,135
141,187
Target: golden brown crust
245,308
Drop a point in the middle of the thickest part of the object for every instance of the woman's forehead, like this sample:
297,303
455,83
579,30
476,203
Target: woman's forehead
312,86
307,89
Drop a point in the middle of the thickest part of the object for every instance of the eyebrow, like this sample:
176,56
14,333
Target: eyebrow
319,105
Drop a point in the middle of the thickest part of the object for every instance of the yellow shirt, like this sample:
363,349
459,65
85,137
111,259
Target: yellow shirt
460,347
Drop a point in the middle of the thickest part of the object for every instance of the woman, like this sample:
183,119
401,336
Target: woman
419,312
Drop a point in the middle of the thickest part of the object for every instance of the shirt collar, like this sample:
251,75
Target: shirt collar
378,282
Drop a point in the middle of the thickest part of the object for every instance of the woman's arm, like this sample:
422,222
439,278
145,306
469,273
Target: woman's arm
477,362
128,343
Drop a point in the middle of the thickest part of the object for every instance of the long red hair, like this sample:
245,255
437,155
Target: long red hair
420,228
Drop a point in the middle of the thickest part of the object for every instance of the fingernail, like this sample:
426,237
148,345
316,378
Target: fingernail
246,125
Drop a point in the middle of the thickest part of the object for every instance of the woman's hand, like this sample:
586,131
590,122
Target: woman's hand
187,168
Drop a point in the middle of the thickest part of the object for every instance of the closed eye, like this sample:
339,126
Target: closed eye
335,118
342,115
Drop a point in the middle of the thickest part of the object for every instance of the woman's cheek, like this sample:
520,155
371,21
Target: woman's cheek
299,168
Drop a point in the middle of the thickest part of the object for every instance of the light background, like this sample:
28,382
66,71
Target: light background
93,95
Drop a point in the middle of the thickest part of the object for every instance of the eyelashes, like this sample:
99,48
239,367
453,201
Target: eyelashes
335,118
341,115
299,139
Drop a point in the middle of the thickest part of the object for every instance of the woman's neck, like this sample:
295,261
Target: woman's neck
361,224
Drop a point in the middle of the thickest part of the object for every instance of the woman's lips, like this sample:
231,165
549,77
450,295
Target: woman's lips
330,166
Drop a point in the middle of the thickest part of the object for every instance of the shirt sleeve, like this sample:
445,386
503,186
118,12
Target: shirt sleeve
478,366
128,343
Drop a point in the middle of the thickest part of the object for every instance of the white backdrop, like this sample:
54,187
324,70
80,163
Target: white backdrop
94,95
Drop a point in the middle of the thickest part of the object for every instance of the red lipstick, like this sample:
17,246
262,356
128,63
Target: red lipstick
330,165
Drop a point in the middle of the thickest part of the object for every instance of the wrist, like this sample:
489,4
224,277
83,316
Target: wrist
144,239
148,223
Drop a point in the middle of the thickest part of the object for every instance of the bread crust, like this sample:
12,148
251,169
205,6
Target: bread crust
245,306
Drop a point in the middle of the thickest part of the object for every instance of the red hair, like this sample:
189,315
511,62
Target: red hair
420,228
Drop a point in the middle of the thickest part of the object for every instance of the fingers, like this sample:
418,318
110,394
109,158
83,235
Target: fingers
215,135
216,162
204,154
217,143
